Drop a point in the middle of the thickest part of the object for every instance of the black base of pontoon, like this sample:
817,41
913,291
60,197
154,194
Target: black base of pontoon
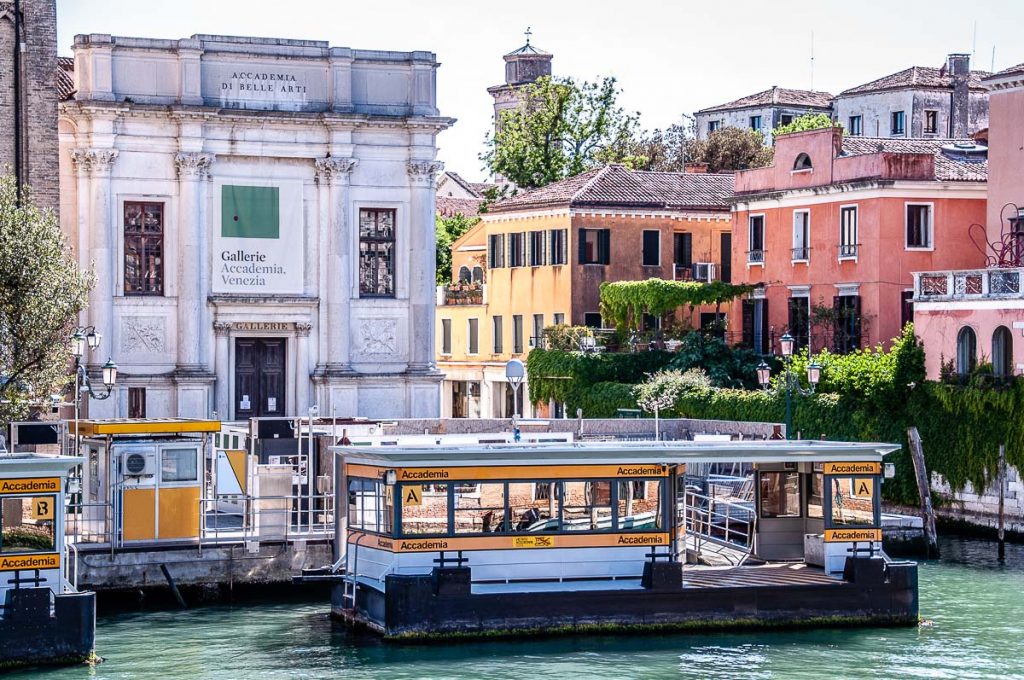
32,634
441,605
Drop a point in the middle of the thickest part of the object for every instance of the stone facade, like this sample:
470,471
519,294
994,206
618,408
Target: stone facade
38,97
259,162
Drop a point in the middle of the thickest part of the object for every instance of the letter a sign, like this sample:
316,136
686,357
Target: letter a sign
412,495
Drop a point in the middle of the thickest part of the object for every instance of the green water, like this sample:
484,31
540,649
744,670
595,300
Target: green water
974,604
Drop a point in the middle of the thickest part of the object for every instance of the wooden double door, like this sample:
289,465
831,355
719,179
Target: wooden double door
260,377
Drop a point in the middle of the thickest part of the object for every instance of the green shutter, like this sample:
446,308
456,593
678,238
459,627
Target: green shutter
250,212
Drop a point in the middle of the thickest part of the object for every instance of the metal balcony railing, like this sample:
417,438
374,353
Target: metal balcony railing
848,250
801,254
755,256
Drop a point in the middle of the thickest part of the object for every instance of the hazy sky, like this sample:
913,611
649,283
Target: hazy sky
669,57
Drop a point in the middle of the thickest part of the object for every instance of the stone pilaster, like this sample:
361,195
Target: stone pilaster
422,263
337,236
302,331
221,366
192,168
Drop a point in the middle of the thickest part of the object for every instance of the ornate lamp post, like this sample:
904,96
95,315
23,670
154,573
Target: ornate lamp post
791,382
82,340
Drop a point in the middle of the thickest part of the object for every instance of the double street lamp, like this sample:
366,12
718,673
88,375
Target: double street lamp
791,382
82,340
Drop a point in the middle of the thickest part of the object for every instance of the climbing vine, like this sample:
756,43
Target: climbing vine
625,302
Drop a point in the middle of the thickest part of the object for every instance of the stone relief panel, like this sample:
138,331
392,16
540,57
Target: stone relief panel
143,335
378,338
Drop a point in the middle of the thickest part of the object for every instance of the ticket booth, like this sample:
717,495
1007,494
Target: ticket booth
143,480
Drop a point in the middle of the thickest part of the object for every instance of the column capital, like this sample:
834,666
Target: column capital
93,161
331,170
303,329
221,328
423,172
193,165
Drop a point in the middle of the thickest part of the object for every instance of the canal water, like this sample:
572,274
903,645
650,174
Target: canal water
973,606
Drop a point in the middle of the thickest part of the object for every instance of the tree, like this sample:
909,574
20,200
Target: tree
810,121
562,128
448,230
668,150
42,291
728,149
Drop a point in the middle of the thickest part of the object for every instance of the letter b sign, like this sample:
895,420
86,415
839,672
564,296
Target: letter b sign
42,507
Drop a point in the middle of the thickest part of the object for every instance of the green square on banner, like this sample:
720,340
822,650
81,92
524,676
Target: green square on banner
250,212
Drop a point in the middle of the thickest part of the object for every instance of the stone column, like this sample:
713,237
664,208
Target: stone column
222,368
192,169
302,367
334,174
422,263
102,247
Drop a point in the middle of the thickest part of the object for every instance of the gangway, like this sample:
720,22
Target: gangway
719,531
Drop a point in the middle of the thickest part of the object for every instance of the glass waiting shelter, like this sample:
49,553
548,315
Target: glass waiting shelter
593,511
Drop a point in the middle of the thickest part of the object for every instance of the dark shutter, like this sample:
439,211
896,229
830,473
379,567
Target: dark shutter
854,322
765,342
583,245
652,248
683,249
748,324
726,255
604,246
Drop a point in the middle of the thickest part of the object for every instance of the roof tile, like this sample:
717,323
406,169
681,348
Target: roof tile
916,76
777,96
946,169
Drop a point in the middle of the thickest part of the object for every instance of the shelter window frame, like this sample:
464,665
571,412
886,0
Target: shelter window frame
179,466
361,489
782,498
50,524
834,500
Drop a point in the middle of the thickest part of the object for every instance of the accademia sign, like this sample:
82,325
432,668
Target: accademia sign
258,239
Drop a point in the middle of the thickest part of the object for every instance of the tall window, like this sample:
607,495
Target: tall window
896,123
446,336
537,251
755,239
966,351
595,245
592,319
801,235
683,249
714,125
474,336
498,334
848,231
558,249
725,252
800,320
931,122
755,325
755,122
652,248
496,251
517,334
856,127
538,329
143,248
376,253
136,402
846,331
1002,353
919,225
516,250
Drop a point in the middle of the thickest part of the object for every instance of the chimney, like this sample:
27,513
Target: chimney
959,68
697,168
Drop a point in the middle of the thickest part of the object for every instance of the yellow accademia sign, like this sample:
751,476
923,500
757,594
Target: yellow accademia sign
19,562
29,485
852,535
858,468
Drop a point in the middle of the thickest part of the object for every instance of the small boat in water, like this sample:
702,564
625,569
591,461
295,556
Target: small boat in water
541,538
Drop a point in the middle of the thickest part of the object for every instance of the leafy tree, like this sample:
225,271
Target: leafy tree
728,149
810,121
561,129
42,291
667,150
447,231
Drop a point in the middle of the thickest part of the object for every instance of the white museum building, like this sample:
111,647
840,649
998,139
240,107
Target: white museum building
259,216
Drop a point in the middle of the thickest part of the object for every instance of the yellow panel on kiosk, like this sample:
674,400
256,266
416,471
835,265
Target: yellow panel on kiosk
179,512
90,428
138,515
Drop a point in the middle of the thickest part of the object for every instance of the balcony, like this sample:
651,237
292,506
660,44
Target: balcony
462,294
968,284
801,254
848,251
698,271
755,256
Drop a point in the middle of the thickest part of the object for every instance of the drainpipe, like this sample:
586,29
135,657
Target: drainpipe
17,99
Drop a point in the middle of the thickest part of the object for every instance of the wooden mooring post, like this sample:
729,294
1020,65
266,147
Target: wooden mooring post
1001,519
924,491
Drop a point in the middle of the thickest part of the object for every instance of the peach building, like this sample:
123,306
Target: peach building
834,229
969,316
537,259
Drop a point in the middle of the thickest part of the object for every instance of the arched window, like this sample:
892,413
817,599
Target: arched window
966,351
1002,352
803,162
464,275
478,274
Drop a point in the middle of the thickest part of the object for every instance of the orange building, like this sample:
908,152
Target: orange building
835,228
537,259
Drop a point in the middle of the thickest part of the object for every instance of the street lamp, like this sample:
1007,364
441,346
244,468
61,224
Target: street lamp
83,339
764,374
792,383
515,372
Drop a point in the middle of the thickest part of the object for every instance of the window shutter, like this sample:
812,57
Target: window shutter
765,340
582,237
687,249
604,242
854,322
748,324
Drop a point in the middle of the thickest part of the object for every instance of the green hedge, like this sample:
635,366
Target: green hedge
569,377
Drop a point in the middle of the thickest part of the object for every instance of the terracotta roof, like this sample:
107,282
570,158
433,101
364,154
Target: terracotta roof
617,186
1013,70
529,49
475,188
65,78
946,169
917,77
449,207
777,96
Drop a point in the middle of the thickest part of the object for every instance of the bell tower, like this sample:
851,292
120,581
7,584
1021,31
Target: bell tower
522,67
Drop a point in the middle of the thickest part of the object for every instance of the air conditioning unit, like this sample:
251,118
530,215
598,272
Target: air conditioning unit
704,271
138,464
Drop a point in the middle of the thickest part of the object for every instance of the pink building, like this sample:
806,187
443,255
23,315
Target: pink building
969,316
834,229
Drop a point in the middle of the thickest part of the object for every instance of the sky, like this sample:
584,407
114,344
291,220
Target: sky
669,57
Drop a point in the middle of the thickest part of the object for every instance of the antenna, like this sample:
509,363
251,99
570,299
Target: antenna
812,61
974,40
993,69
